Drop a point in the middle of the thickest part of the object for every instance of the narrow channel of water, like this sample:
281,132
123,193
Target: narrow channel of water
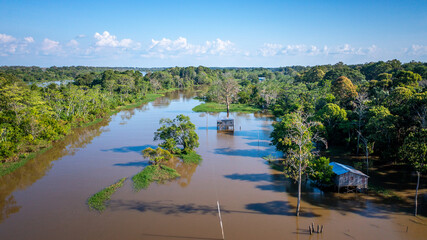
46,199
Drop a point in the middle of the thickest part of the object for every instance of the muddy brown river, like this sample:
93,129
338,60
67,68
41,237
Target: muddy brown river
46,199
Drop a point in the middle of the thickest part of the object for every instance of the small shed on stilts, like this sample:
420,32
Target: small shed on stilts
225,125
349,178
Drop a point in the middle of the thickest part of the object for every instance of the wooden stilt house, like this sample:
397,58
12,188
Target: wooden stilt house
349,178
225,125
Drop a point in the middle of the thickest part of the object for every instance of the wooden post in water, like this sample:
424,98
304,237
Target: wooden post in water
321,229
317,228
309,229
220,219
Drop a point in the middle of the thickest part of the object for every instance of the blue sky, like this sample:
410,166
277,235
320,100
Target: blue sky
210,33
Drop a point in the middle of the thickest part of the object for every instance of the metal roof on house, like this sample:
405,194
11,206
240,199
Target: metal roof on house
339,169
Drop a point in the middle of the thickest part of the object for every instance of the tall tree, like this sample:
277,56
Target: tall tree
414,150
331,116
344,90
226,90
295,136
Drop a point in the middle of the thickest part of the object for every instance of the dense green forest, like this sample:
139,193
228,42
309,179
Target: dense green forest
373,106
37,74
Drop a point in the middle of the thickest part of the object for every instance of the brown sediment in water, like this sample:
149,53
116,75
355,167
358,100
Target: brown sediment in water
256,201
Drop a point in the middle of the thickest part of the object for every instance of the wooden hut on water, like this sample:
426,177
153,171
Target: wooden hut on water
349,178
225,125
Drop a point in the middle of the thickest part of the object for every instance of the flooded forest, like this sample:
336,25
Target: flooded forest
64,145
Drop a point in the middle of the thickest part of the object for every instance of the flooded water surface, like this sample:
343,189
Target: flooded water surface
46,199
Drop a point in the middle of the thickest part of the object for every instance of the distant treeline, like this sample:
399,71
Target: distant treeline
38,74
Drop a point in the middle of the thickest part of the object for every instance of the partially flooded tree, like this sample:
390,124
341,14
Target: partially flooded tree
177,132
157,156
296,136
225,91
414,150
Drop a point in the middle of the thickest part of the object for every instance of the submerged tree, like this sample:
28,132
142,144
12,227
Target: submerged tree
157,156
414,150
225,91
177,132
295,136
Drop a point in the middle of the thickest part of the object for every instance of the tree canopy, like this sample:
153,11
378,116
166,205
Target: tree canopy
177,132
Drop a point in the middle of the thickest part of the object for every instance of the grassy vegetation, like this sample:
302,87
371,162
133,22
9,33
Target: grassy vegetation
191,157
148,98
216,107
168,90
99,199
92,123
386,194
153,173
8,167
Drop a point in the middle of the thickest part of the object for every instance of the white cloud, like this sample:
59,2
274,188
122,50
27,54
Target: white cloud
274,49
81,36
220,47
418,50
4,38
11,45
29,39
73,43
50,46
295,49
270,49
108,40
173,48
167,45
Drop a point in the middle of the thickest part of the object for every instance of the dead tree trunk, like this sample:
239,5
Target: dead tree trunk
416,192
299,189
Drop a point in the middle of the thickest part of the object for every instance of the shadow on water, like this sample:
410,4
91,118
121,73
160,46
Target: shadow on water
206,128
126,149
260,143
37,167
252,177
133,164
277,208
253,134
169,208
343,203
253,153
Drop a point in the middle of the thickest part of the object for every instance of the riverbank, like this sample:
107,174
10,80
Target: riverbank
23,158
217,107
